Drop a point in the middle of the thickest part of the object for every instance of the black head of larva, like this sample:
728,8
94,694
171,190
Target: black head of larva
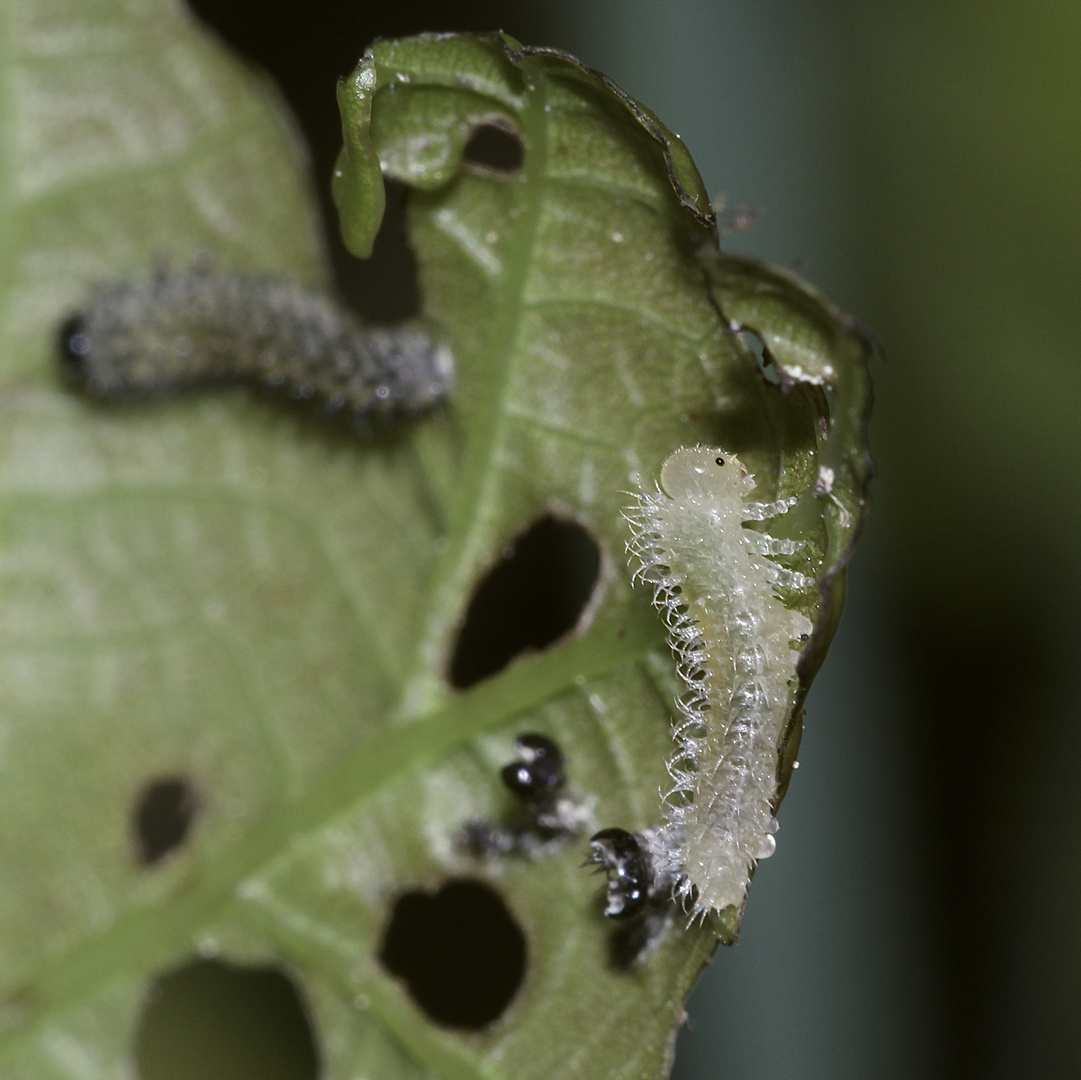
720,460
74,346
629,870
539,771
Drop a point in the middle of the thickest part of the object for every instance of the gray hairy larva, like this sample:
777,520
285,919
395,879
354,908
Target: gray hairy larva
715,585
172,330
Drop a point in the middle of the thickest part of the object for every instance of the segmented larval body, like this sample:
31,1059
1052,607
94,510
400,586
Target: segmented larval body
736,647
174,330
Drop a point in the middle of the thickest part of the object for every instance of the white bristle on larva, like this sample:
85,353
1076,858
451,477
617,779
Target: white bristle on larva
714,586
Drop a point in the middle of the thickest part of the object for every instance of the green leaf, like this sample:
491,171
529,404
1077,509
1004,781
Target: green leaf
217,590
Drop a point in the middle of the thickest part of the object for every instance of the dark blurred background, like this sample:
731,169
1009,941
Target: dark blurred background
921,162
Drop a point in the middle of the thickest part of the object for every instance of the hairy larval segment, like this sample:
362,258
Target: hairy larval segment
171,330
736,647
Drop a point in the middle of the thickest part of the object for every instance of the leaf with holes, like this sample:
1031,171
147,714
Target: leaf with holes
258,673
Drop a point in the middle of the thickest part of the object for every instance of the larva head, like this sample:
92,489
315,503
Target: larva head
705,473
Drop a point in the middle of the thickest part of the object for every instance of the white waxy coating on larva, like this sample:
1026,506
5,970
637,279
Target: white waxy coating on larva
732,638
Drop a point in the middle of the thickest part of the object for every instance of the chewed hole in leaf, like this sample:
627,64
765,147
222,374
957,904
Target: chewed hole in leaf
459,951
209,1018
162,817
495,149
533,595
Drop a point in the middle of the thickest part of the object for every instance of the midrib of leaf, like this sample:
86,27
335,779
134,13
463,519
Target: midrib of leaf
148,935
469,517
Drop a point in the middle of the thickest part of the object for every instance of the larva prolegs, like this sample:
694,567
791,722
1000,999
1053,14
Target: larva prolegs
174,330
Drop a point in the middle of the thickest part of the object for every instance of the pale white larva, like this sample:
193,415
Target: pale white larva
735,644
162,333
